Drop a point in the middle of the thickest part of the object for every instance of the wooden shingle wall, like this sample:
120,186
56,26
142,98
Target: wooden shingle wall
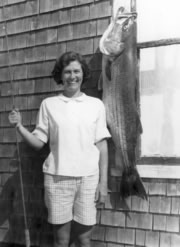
38,32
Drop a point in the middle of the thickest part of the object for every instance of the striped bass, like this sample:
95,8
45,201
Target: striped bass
119,80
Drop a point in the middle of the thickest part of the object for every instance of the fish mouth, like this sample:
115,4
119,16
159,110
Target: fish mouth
123,14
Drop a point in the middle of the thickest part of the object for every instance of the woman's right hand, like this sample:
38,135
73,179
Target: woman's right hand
15,118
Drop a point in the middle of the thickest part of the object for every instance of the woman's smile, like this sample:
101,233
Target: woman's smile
72,78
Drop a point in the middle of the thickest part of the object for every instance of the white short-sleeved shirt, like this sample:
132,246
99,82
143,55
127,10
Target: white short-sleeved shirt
72,126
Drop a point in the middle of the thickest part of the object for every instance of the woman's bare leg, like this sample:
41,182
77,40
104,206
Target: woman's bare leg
62,234
82,234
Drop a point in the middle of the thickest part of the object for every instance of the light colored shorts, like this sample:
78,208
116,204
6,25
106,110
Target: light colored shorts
71,198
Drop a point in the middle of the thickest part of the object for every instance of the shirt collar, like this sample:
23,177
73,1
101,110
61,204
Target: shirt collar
77,99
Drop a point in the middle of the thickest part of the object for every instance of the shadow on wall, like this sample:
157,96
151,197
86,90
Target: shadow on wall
11,206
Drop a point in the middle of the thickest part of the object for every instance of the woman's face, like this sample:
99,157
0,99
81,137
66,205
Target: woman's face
72,77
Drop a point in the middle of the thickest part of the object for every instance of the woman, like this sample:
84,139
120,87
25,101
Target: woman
75,172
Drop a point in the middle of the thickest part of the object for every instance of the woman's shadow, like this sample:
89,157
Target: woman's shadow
13,193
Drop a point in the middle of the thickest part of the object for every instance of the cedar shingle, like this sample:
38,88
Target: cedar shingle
171,189
42,85
57,4
21,102
34,101
69,3
79,14
5,165
100,9
152,239
160,205
172,224
39,53
102,25
26,117
8,103
139,220
98,233
61,48
20,40
114,245
7,150
19,72
64,16
26,87
175,205
4,74
175,240
9,135
85,29
45,5
140,237
31,7
85,47
1,44
157,188
42,20
17,57
54,86
120,235
65,33
51,51
79,2
4,122
165,240
41,37
112,218
52,35
159,222
31,39
138,204
110,201
3,59
54,19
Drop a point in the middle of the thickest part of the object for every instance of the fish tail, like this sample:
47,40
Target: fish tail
131,184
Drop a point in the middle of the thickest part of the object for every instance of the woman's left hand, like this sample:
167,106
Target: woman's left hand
101,193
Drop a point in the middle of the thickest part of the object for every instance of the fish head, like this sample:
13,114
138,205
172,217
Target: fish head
125,22
121,28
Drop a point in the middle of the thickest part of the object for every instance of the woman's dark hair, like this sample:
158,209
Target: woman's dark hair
64,60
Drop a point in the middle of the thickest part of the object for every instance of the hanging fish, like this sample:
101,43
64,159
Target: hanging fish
119,79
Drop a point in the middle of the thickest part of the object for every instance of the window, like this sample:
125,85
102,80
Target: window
160,101
159,62
158,47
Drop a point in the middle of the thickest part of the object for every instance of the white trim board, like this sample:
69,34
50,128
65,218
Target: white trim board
159,171
154,171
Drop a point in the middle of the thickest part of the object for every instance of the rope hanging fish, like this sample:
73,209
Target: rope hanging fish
10,71
119,78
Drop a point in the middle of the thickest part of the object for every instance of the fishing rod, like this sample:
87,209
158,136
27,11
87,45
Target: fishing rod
26,231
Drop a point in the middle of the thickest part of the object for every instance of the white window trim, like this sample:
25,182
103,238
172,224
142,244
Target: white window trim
154,171
159,171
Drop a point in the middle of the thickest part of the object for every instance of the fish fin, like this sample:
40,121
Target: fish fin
131,184
108,68
139,125
100,83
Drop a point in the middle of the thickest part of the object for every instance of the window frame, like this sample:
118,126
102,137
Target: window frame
161,167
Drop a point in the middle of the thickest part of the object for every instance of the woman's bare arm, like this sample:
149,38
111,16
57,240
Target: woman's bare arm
28,137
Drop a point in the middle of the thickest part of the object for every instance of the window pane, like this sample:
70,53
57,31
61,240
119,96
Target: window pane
160,101
158,19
